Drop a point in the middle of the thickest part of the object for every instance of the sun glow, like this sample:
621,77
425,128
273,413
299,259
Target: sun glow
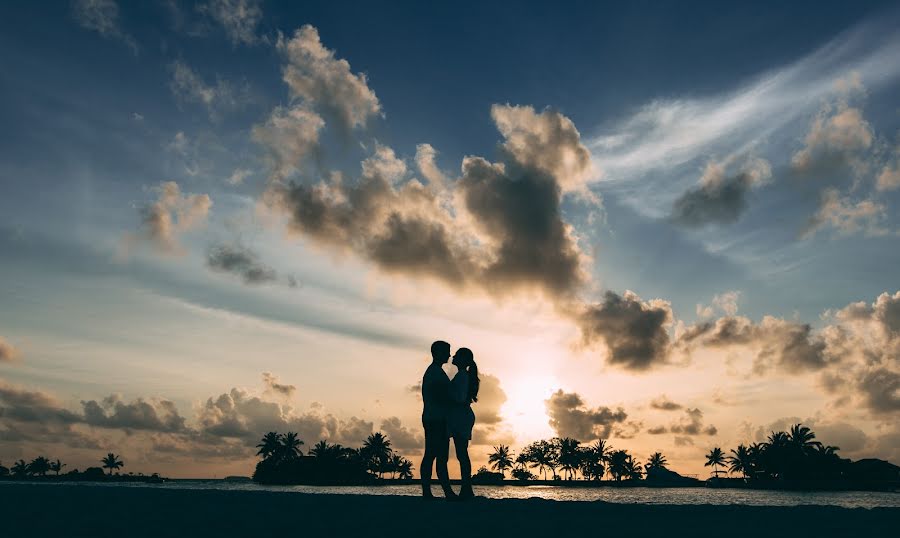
524,409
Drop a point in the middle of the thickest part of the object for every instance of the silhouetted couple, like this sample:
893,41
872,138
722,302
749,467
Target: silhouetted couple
447,413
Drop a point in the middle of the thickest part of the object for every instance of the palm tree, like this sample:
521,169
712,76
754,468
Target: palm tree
656,461
802,437
56,466
542,454
269,445
321,449
569,455
20,469
501,459
377,449
715,458
394,463
290,447
755,455
111,461
592,466
740,461
39,466
621,465
405,469
602,450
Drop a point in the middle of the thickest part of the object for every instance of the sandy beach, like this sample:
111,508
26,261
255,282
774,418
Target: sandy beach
84,510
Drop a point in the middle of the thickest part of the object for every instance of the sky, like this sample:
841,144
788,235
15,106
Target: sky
672,226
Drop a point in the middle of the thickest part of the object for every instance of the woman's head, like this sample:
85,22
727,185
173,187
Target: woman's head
464,359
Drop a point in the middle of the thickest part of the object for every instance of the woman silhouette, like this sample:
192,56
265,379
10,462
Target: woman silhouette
460,418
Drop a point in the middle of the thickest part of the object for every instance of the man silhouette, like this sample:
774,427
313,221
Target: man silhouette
435,399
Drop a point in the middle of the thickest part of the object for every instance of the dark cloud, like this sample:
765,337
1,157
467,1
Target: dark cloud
881,390
719,199
569,417
683,441
112,412
663,403
692,424
8,353
240,261
21,405
402,438
498,228
786,345
518,209
689,424
273,385
633,331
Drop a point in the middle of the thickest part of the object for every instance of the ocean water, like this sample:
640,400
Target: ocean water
631,495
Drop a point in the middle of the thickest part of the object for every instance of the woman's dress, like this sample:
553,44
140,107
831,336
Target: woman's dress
460,417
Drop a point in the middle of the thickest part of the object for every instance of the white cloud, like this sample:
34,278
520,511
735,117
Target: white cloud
102,16
239,18
847,217
187,85
315,76
238,176
671,131
170,215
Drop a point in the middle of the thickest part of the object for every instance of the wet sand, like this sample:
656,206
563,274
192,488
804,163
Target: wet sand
83,510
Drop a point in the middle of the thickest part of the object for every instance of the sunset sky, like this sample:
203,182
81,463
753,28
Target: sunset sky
670,225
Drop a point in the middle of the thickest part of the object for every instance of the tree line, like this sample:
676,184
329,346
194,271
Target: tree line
41,465
283,462
572,459
791,455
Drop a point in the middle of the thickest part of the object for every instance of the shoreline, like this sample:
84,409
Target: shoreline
94,510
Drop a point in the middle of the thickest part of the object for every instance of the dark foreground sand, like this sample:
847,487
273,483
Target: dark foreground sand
28,510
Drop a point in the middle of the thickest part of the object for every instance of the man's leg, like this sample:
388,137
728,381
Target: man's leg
441,463
427,459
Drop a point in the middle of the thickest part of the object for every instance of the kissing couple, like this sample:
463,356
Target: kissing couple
447,412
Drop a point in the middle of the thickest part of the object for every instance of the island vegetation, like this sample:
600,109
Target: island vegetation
283,461
41,467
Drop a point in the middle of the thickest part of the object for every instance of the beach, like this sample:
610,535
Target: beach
89,510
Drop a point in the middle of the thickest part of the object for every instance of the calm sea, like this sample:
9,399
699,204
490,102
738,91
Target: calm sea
638,495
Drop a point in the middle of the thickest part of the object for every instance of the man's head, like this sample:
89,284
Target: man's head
440,352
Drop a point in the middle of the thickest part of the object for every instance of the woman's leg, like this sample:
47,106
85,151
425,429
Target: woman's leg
465,465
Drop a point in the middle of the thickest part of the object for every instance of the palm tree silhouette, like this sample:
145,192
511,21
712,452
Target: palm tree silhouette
269,445
111,461
802,437
290,447
601,451
569,455
377,450
56,466
20,469
656,461
501,459
622,465
715,458
542,455
740,461
39,466
405,468
320,449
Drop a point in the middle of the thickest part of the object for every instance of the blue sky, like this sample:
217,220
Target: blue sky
743,163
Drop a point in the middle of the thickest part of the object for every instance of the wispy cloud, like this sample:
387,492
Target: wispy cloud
102,16
672,131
